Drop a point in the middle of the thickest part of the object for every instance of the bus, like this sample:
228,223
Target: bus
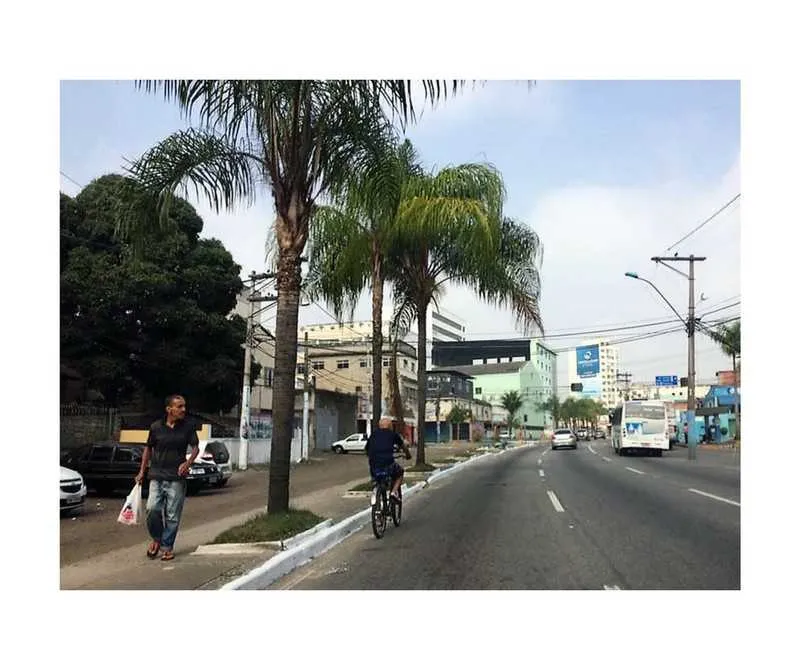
639,426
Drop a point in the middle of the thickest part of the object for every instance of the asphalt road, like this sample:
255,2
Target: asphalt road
532,518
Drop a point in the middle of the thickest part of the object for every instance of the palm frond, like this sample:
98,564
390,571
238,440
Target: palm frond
219,172
339,259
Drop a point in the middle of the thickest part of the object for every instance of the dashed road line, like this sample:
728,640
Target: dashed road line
592,449
638,472
606,458
613,587
555,501
541,473
711,495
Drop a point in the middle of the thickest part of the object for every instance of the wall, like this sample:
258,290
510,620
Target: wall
258,451
82,425
334,417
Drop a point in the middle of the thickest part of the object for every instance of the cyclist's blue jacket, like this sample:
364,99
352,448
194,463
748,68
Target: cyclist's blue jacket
380,448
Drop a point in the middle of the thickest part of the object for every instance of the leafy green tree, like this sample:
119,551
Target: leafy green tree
457,416
158,322
553,406
303,139
512,403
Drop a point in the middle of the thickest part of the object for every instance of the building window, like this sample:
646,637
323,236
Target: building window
317,365
301,369
386,362
363,363
405,362
342,365
268,377
412,366
358,389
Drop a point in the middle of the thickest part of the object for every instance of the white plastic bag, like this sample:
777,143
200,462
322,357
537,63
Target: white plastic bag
132,511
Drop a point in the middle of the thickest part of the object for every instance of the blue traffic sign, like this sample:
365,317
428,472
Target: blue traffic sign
667,380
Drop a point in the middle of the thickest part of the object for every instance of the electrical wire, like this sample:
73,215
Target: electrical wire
708,220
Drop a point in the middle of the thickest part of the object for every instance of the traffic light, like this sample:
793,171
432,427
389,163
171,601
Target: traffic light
684,381
576,387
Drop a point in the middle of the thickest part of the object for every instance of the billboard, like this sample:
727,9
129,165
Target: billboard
588,359
591,387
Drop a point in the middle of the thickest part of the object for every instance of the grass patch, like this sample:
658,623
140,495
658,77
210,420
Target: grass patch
363,486
421,467
270,527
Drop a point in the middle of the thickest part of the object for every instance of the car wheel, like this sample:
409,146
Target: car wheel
337,449
221,483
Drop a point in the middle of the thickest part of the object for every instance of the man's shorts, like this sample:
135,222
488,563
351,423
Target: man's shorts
395,471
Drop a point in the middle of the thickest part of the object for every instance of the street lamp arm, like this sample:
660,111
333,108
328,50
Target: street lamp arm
683,321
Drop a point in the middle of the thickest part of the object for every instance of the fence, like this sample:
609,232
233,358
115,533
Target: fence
82,424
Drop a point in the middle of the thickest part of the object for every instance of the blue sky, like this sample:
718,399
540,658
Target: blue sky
608,173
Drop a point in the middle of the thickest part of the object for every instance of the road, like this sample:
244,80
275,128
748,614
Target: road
533,518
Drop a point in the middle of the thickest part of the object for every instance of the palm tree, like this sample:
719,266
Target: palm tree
299,138
552,405
350,238
456,233
729,339
511,402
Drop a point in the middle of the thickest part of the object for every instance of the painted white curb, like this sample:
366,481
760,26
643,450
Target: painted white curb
302,552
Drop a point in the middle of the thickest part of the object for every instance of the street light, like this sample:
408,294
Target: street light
691,442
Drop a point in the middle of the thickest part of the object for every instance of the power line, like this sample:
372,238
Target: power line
709,219
66,176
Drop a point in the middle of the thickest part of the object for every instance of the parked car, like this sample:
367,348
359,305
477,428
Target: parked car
73,491
112,466
564,437
354,442
599,434
582,434
217,453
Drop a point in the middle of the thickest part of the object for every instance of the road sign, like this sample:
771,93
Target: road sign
667,380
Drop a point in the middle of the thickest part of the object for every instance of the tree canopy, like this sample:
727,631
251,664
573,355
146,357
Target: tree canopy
156,322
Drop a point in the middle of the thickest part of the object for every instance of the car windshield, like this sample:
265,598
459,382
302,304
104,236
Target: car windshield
563,432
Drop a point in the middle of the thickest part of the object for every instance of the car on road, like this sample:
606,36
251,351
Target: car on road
107,467
73,491
564,437
582,434
599,434
354,442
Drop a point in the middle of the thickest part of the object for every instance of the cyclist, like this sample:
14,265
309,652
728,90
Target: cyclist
380,451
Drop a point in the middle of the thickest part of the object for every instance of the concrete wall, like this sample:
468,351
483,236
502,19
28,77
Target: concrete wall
82,425
258,451
334,417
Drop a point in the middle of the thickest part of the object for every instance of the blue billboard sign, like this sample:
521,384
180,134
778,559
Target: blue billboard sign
667,380
588,359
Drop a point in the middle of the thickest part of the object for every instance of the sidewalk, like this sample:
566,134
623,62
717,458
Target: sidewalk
129,568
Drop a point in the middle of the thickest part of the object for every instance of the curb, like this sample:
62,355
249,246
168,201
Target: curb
233,548
301,552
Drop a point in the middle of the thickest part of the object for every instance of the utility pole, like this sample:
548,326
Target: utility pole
691,405
304,443
626,377
438,398
244,418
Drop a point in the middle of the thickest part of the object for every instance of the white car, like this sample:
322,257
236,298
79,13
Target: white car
73,491
354,442
564,437
213,452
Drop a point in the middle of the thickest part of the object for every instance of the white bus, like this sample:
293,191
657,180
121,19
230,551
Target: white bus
640,426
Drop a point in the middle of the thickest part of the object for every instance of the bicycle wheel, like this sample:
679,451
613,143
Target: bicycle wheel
396,508
379,512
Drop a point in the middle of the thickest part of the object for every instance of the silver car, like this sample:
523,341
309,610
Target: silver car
564,437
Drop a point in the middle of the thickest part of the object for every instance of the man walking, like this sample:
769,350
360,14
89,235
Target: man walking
165,454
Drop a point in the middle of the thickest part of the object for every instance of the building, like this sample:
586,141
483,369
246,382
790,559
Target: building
344,364
595,365
446,390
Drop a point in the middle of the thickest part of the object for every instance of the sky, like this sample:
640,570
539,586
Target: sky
608,173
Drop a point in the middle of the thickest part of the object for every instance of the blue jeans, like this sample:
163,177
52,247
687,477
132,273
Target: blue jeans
164,509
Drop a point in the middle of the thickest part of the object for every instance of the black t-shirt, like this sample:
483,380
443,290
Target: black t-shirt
169,448
380,447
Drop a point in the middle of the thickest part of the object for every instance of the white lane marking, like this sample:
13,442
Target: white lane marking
539,462
592,450
613,587
555,501
638,472
711,495
541,473
606,458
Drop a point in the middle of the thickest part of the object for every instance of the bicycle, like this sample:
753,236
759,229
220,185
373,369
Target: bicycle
384,505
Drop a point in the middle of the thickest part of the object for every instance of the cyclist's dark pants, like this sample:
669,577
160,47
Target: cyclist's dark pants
395,471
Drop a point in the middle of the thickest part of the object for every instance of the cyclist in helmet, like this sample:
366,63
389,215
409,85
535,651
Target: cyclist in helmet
380,451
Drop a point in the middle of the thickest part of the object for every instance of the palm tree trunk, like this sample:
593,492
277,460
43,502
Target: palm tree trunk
288,285
377,334
422,380
394,390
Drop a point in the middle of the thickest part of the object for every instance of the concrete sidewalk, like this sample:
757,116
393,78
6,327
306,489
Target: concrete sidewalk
130,569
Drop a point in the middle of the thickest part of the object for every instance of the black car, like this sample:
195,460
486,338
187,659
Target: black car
112,466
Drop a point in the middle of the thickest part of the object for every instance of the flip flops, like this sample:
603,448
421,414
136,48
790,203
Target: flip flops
168,556
153,549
